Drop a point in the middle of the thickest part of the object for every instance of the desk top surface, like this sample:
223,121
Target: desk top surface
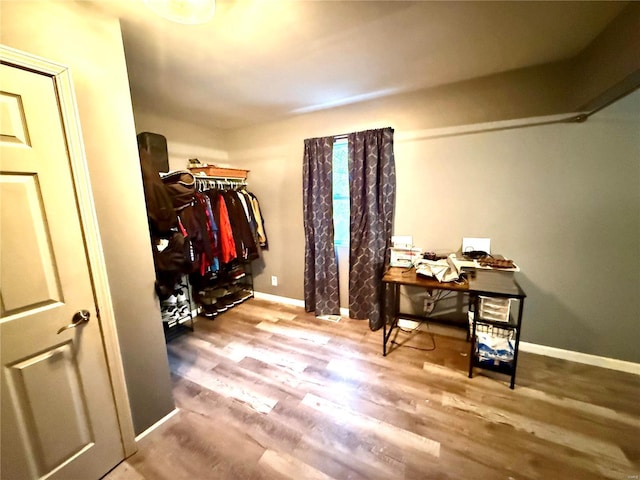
492,282
405,276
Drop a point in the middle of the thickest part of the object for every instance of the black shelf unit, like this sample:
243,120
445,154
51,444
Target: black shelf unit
230,287
507,329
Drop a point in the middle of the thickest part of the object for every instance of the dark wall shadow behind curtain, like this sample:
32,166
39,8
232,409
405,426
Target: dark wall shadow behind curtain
321,292
372,177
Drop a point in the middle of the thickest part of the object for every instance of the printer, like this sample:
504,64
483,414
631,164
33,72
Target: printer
403,253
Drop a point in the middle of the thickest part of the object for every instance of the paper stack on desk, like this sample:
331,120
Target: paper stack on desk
445,270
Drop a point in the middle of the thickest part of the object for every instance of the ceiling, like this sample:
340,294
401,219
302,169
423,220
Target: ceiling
261,60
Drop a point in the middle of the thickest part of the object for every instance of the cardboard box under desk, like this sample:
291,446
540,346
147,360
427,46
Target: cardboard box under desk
220,172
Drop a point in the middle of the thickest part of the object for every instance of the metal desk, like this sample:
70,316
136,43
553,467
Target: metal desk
479,282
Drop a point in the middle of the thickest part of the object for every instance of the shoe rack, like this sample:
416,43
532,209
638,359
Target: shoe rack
231,287
176,310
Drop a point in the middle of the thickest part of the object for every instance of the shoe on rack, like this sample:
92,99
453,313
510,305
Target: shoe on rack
236,273
218,292
169,302
240,296
183,305
205,297
221,307
169,310
227,301
209,311
244,294
170,316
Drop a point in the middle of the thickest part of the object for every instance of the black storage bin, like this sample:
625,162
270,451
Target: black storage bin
156,145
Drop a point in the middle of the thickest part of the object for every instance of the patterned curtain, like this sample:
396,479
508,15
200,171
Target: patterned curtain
321,293
372,190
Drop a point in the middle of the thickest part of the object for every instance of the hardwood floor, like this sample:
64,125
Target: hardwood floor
267,391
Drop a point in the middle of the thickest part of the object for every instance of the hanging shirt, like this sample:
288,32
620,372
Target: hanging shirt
260,230
245,243
227,243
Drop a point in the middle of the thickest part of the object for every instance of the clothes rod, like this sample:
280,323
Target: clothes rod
225,179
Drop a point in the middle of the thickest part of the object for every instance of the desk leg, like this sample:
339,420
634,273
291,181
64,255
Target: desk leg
517,345
394,314
383,312
473,334
384,342
384,328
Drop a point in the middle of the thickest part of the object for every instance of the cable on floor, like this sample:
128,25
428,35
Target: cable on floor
414,330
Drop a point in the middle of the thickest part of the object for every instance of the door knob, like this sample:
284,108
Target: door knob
80,317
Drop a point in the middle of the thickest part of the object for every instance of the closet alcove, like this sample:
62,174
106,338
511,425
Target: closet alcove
205,228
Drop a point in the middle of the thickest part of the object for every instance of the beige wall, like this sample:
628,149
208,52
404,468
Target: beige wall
610,66
273,152
72,35
184,140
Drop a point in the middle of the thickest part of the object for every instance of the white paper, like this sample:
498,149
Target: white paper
445,270
470,244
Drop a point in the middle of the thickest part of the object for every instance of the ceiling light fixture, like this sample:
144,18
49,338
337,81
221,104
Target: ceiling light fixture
190,12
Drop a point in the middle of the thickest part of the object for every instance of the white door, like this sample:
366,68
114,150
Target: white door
58,413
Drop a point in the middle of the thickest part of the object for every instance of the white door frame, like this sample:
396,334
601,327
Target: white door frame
63,86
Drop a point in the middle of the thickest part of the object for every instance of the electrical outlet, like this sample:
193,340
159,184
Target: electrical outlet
274,281
429,304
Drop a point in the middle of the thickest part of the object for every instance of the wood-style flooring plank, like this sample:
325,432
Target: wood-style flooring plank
268,391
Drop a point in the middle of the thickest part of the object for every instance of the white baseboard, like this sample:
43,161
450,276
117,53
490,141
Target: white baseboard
157,424
277,299
579,357
291,301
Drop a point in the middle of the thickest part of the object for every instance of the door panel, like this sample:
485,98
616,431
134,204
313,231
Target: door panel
58,412
26,236
12,121
43,419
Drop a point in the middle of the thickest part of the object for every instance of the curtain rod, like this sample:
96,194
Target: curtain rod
604,103
346,135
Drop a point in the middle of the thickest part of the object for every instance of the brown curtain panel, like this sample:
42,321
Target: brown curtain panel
372,176
321,292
